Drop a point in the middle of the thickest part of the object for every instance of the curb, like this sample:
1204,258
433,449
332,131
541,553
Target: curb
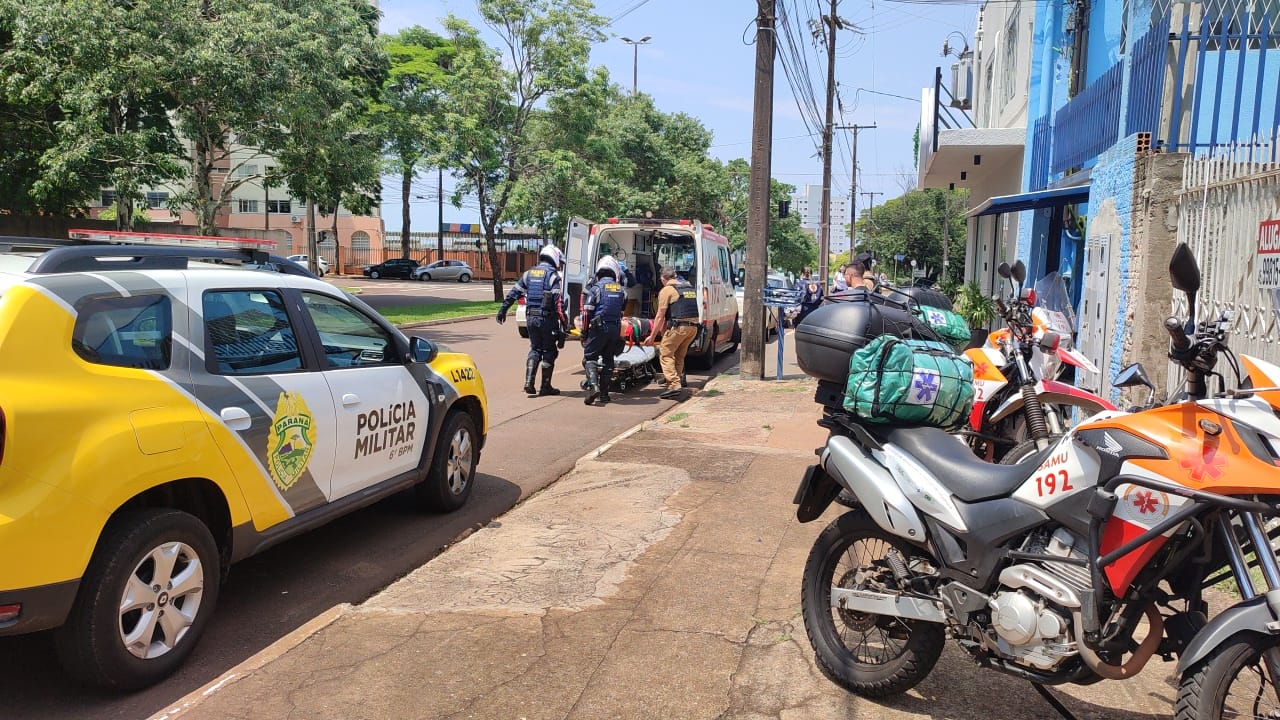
445,321
253,663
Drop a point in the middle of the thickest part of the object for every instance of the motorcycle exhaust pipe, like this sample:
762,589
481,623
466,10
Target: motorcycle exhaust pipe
1134,665
874,487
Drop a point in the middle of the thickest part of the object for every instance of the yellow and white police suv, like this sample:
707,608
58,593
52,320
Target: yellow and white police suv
162,417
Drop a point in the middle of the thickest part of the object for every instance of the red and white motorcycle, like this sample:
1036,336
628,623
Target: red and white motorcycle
1020,405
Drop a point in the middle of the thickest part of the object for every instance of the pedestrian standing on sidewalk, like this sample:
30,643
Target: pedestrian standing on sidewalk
544,317
602,306
811,295
677,321
839,284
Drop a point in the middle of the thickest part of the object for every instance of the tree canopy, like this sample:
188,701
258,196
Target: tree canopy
911,225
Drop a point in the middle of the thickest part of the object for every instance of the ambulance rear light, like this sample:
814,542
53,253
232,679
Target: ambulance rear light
686,222
9,613
612,221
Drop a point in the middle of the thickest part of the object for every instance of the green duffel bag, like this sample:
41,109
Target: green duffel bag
909,382
948,325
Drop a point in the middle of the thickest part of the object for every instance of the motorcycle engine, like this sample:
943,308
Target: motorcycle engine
1031,613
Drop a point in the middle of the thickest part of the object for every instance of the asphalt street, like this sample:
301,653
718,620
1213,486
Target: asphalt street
531,443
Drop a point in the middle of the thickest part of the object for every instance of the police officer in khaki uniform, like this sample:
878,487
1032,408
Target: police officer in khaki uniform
677,320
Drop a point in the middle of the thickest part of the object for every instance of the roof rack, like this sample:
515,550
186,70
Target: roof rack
87,258
100,250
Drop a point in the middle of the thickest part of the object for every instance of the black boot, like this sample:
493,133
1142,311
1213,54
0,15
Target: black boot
546,388
593,381
605,382
530,374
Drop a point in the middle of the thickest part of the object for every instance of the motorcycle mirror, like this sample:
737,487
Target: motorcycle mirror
1003,271
1132,376
1019,272
1184,273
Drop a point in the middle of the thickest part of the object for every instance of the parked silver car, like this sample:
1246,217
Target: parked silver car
444,270
321,263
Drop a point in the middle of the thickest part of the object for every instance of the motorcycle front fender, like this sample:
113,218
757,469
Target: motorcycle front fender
1248,616
1052,392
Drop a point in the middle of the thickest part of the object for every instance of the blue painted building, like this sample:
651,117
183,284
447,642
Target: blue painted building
1110,85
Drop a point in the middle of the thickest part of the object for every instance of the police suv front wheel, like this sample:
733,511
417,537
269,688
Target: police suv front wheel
453,468
144,601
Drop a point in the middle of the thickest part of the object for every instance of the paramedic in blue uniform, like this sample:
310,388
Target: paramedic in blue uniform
541,287
602,307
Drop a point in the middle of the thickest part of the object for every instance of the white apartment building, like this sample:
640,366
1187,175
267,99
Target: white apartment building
807,203
978,140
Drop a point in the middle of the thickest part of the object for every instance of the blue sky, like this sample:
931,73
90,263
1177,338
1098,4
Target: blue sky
698,62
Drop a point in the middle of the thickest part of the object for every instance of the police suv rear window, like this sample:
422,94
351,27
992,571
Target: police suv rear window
131,332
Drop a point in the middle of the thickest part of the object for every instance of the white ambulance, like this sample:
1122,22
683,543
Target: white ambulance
645,246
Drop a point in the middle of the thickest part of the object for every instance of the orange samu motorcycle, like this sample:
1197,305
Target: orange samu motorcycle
1047,570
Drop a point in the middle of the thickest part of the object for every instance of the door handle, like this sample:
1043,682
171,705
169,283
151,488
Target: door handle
236,418
350,400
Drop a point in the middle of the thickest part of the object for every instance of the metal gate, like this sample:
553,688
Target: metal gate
1095,321
1226,199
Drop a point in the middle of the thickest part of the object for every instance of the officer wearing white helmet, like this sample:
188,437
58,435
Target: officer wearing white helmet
602,307
541,287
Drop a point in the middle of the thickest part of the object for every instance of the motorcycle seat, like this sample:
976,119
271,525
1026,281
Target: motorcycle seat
958,469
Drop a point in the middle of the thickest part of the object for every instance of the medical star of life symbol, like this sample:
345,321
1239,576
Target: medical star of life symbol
1146,502
926,385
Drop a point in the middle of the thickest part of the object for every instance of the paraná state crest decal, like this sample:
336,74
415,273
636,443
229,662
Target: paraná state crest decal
291,440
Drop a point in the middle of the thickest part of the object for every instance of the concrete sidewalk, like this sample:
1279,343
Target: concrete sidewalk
658,579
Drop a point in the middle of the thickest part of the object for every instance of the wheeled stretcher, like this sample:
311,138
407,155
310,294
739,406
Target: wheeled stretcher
637,365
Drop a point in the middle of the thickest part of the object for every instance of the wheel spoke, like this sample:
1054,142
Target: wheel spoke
138,641
137,595
189,580
165,558
174,622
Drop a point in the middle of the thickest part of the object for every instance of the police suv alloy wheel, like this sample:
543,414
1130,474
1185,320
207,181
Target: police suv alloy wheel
453,468
145,600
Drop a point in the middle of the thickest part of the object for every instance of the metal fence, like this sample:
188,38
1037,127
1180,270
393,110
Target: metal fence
1226,200
1148,62
1226,72
1041,147
1089,123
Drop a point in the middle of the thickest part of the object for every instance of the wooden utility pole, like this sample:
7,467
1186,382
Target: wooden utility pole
752,322
824,225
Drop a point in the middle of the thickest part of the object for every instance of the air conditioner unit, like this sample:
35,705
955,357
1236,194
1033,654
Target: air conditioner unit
295,218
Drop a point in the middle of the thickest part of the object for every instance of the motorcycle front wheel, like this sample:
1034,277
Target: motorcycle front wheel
1233,682
870,655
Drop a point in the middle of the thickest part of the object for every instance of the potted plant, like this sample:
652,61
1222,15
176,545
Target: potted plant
977,309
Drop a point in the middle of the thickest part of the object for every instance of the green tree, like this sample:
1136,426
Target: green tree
268,72
790,246
912,225
90,99
600,152
546,44
408,111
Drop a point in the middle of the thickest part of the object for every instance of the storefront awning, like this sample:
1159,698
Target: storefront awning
1032,200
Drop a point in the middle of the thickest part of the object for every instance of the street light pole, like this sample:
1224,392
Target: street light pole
635,59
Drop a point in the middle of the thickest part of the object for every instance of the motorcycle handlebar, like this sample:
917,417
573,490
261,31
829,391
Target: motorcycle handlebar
1177,334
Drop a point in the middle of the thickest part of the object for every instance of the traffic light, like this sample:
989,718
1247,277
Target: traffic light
784,208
